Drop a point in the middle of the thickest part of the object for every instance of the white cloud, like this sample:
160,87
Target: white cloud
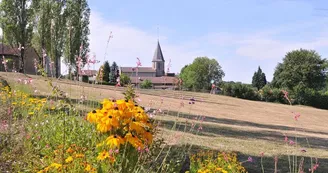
270,48
129,42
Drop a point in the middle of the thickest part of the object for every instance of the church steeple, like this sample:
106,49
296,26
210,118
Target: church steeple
158,55
158,61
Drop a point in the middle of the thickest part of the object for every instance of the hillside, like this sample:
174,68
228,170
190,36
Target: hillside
248,127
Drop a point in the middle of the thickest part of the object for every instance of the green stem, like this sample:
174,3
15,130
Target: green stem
262,165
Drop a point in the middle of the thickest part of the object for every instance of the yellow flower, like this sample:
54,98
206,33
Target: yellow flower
79,155
88,167
136,126
69,159
30,113
103,155
114,141
148,136
92,116
224,171
219,169
134,141
110,119
102,127
56,165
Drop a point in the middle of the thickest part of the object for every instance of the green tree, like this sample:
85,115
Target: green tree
50,21
146,84
42,33
124,79
259,79
106,72
113,72
17,20
100,73
200,73
302,66
77,42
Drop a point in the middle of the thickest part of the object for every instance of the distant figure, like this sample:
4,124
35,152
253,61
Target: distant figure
118,81
213,89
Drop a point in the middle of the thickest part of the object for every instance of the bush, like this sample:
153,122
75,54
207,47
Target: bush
146,84
269,94
227,89
124,79
240,90
310,97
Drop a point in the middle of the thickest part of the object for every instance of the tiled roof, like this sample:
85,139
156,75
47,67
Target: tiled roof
140,69
7,50
155,80
88,72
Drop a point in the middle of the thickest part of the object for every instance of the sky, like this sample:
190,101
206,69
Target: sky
241,35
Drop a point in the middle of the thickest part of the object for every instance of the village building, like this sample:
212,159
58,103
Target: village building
12,60
156,74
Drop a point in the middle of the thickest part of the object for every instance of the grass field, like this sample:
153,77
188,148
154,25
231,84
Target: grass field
229,124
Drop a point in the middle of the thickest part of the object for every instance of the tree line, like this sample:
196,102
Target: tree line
303,74
55,29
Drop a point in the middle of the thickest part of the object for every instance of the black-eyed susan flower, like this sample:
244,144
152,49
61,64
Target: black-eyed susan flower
134,141
103,155
114,141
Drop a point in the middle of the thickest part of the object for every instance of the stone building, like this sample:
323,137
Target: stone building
13,59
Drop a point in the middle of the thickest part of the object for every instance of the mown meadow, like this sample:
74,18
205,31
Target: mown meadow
57,125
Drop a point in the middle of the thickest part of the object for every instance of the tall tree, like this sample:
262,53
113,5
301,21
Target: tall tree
113,72
58,31
17,19
106,72
259,79
301,66
200,73
77,42
41,31
49,33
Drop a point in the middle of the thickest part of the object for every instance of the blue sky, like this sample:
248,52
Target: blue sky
241,35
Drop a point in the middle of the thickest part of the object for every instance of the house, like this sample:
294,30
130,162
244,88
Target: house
156,74
89,74
13,59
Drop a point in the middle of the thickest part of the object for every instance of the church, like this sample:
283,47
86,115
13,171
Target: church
156,74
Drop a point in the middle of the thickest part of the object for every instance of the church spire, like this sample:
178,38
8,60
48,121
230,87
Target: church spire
158,55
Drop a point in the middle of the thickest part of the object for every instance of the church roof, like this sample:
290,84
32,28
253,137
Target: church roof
158,55
155,80
140,69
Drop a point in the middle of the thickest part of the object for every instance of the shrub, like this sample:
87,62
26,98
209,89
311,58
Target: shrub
146,84
269,94
124,79
310,97
209,161
227,89
240,90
